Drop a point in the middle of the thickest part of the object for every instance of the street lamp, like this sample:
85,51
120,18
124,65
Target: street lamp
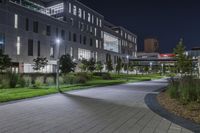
58,41
162,67
127,57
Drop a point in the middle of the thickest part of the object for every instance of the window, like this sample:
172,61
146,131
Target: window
80,39
84,54
100,23
89,17
84,15
56,9
97,21
80,13
48,30
16,21
18,45
111,42
97,43
63,34
74,37
52,48
27,24
95,31
71,52
38,46
2,41
84,40
35,26
70,36
56,32
74,10
70,8
91,41
30,47
72,21
92,19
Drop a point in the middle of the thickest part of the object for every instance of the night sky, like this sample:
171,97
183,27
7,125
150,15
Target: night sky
167,20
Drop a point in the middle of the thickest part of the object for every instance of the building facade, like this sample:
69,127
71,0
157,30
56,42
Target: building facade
29,28
151,45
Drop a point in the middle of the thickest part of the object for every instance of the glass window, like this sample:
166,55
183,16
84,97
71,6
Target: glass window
63,34
18,45
30,47
27,24
70,8
91,41
80,13
16,21
52,49
84,54
56,9
111,42
38,48
84,40
74,10
2,41
89,17
48,30
74,37
35,26
84,15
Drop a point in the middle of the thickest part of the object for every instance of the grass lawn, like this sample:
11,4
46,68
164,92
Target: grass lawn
22,93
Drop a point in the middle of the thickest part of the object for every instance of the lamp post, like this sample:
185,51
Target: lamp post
58,64
162,67
127,57
151,65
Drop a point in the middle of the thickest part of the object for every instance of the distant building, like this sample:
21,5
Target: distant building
194,52
151,45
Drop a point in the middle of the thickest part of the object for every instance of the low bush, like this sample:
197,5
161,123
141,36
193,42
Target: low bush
106,76
68,79
80,79
39,81
50,81
185,90
61,80
27,80
21,82
13,80
87,76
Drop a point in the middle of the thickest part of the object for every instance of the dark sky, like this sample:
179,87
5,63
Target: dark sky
167,20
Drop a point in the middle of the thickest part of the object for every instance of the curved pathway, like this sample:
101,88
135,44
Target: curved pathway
113,109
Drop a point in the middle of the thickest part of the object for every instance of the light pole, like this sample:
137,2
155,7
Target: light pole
127,57
58,64
162,67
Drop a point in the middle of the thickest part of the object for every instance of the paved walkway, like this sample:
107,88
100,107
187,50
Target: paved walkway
114,109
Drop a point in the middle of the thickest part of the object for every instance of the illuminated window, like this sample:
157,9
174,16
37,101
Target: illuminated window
2,41
59,8
52,51
74,10
18,45
95,31
89,17
97,21
80,13
84,15
84,54
100,23
92,18
70,8
71,52
97,43
16,21
111,42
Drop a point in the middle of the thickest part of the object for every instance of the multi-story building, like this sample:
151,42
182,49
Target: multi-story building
151,45
29,28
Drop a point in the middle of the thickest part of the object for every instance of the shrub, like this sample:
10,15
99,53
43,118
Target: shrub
80,80
68,79
106,76
21,82
85,75
27,80
50,81
4,83
61,80
13,80
39,81
185,90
